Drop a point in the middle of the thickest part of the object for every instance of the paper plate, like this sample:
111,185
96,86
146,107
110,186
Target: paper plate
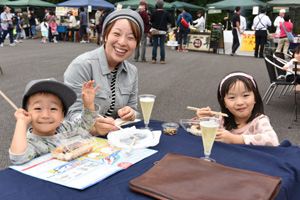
122,138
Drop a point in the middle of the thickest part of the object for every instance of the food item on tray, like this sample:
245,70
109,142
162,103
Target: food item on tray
195,127
170,131
72,150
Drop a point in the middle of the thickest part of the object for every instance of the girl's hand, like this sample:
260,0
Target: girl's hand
103,126
204,112
88,94
22,115
229,138
127,113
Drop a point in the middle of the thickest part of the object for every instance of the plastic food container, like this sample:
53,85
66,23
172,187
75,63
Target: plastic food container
170,128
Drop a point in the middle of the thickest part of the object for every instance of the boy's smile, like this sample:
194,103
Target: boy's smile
46,113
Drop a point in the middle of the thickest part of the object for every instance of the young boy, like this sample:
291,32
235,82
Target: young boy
19,30
45,103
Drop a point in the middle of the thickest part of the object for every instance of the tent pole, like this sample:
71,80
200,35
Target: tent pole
227,21
88,24
205,15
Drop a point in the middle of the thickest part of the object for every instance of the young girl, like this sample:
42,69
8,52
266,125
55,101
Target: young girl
289,66
44,30
53,30
246,123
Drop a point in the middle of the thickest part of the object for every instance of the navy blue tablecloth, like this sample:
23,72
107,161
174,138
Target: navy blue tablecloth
282,161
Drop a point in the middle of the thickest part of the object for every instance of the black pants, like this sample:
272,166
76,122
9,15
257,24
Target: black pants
291,77
260,40
236,42
50,36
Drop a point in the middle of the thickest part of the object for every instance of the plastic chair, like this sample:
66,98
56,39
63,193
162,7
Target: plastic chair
274,82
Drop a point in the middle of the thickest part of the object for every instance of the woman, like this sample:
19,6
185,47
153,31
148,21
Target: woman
284,41
200,22
159,20
32,23
107,65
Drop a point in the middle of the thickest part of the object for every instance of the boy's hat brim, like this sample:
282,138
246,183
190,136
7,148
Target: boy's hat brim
62,91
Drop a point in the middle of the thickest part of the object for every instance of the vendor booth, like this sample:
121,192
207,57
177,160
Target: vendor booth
73,5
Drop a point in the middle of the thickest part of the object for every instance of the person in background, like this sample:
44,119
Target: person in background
159,20
18,30
290,74
239,98
15,21
73,23
7,27
98,17
284,41
243,27
26,25
236,30
32,22
54,32
200,22
82,26
260,25
183,30
107,65
47,11
50,17
144,15
44,30
278,20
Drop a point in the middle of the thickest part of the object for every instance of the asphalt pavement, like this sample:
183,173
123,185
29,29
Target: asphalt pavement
188,79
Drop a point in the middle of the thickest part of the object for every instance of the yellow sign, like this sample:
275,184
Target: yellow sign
248,42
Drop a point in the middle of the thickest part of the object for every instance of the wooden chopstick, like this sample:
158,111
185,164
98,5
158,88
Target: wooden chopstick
9,101
213,112
132,143
119,127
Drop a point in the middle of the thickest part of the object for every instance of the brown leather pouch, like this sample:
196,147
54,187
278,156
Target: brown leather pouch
182,177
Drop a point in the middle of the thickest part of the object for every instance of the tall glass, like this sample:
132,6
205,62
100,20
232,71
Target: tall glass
209,127
147,101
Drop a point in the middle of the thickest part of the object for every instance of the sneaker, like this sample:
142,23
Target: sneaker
20,41
1,45
12,44
135,60
163,62
153,61
16,41
178,49
55,41
185,50
232,54
145,60
82,41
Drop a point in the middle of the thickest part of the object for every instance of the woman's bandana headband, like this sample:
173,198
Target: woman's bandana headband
237,74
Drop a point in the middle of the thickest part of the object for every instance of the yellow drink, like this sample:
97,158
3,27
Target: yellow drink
147,105
208,131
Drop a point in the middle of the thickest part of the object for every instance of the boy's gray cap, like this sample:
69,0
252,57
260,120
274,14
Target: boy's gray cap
51,85
124,14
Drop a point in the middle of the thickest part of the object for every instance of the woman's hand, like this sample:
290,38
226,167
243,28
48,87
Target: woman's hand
103,126
285,68
204,112
229,138
127,113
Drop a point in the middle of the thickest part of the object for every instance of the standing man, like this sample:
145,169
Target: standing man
98,16
7,26
279,19
83,25
260,25
144,14
236,30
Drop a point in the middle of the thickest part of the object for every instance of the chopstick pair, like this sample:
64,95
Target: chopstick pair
213,112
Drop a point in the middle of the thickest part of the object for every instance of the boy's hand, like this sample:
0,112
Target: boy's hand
126,113
204,112
88,94
22,115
